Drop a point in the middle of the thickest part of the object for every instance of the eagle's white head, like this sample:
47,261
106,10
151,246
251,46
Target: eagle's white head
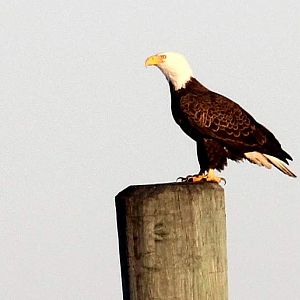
174,66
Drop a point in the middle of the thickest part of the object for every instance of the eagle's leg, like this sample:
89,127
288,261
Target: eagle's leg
211,177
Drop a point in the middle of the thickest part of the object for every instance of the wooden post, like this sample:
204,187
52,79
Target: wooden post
172,242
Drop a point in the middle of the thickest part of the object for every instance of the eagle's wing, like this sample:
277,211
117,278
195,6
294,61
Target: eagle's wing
220,118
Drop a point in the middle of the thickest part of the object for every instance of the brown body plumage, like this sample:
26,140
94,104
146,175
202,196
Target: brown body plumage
220,127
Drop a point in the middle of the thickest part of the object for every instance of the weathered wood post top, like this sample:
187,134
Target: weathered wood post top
172,241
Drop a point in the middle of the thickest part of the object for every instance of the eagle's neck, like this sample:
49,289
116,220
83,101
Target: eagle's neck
179,82
178,75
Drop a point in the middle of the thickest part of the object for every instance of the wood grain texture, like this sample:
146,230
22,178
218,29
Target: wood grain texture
172,240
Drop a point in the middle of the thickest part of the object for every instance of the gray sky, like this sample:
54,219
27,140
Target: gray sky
81,119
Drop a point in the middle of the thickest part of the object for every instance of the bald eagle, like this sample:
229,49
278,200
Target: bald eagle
221,128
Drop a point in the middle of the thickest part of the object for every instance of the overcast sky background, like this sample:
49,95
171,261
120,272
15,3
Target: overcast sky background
81,119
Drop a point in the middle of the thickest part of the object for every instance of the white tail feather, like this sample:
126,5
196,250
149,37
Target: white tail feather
279,165
258,158
267,161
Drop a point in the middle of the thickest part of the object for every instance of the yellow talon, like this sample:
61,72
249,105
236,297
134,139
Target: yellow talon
209,177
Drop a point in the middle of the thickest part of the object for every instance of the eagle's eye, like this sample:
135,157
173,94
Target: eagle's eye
163,56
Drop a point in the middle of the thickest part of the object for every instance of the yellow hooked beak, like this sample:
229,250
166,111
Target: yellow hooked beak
155,60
